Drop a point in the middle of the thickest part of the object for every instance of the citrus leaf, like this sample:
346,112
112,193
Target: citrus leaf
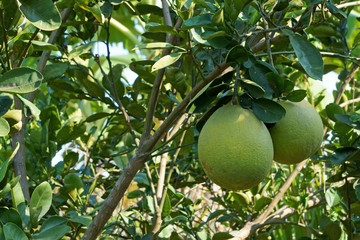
33,109
166,61
40,202
4,127
44,16
344,154
202,20
296,95
6,101
80,50
308,55
4,165
12,232
20,80
332,197
267,110
332,109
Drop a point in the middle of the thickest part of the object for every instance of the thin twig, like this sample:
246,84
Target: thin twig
268,42
5,38
157,218
27,48
348,4
155,92
348,205
352,101
326,54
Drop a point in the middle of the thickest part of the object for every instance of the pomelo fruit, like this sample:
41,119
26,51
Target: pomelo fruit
298,134
235,148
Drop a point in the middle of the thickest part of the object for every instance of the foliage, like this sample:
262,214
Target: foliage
116,135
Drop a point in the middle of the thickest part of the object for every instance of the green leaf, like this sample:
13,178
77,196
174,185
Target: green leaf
54,227
332,197
308,55
257,74
296,95
136,110
254,89
237,54
202,20
141,178
17,197
261,203
97,116
5,190
222,236
267,110
163,28
6,101
73,185
70,132
10,215
33,109
345,154
134,194
13,232
20,80
84,220
332,109
55,70
166,61
42,46
94,9
5,164
347,120
334,10
156,45
40,203
77,51
44,16
167,207
51,114
4,127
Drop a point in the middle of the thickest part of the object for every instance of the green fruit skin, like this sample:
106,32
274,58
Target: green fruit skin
298,135
235,148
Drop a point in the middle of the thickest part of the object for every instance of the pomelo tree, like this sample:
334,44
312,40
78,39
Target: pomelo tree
97,154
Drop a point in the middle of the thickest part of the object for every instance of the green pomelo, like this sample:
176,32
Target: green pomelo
235,148
298,135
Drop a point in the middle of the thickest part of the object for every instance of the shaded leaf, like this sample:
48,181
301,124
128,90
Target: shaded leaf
267,110
5,164
222,236
13,232
20,80
44,16
40,202
6,101
296,95
332,109
345,154
202,20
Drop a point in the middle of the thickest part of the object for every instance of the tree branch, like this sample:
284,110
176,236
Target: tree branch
282,213
20,158
155,92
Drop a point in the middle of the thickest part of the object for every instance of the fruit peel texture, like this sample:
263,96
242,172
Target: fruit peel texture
235,148
298,135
